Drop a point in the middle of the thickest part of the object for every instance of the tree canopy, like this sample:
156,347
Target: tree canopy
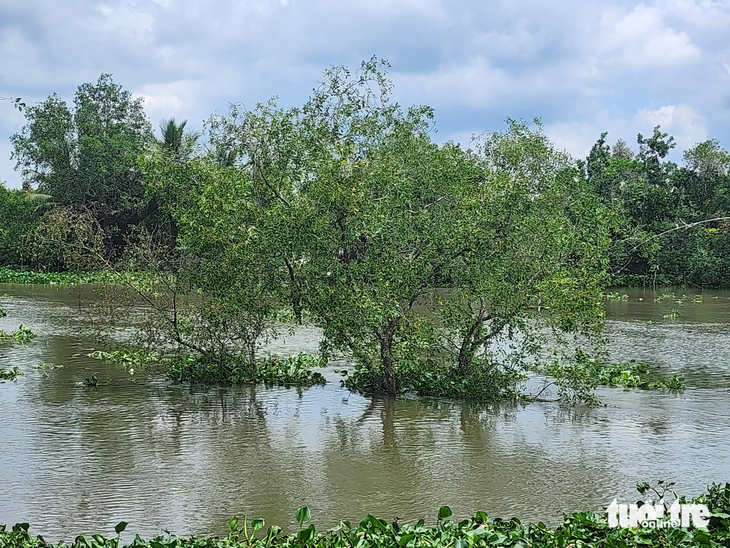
86,155
347,211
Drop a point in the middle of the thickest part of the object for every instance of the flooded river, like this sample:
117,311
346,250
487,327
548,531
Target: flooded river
164,456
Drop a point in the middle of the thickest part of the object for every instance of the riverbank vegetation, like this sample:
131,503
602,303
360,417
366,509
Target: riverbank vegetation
434,268
16,275
586,529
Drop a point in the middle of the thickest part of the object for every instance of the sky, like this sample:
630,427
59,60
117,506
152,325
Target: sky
583,67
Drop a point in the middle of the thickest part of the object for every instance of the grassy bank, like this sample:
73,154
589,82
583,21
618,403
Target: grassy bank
577,530
18,276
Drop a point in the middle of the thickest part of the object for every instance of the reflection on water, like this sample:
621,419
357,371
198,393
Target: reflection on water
164,456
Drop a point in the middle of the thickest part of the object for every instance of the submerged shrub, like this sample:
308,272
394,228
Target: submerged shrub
483,381
290,371
577,379
296,370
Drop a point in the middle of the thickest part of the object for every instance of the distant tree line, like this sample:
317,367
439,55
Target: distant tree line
671,222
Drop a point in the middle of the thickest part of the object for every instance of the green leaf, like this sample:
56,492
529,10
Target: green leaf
482,517
306,535
444,512
303,515
121,526
257,524
233,524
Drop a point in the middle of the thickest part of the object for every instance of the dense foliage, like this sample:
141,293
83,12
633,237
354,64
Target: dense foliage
587,529
671,222
20,212
84,159
345,210
434,267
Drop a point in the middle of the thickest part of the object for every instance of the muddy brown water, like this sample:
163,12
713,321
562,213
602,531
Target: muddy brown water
165,456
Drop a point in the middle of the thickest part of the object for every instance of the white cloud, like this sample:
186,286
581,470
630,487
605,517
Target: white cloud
473,84
682,121
169,99
642,40
708,15
584,67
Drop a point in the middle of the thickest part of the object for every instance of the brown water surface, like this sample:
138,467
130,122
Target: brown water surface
163,456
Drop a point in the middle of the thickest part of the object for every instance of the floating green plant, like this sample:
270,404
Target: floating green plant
9,374
578,530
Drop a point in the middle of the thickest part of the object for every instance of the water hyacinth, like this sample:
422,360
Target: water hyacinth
585,529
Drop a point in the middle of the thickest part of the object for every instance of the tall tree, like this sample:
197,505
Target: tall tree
346,210
86,156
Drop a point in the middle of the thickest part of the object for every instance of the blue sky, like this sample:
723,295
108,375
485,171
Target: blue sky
583,67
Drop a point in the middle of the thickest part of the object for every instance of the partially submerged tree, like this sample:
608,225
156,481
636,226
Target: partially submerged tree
347,211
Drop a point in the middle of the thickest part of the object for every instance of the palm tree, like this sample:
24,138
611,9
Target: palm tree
175,140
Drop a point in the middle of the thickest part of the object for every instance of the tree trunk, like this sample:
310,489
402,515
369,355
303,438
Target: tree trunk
469,346
386,355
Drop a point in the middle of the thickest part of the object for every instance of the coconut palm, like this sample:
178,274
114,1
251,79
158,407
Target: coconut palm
175,140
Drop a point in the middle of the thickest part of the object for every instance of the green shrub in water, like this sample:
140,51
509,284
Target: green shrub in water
292,371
